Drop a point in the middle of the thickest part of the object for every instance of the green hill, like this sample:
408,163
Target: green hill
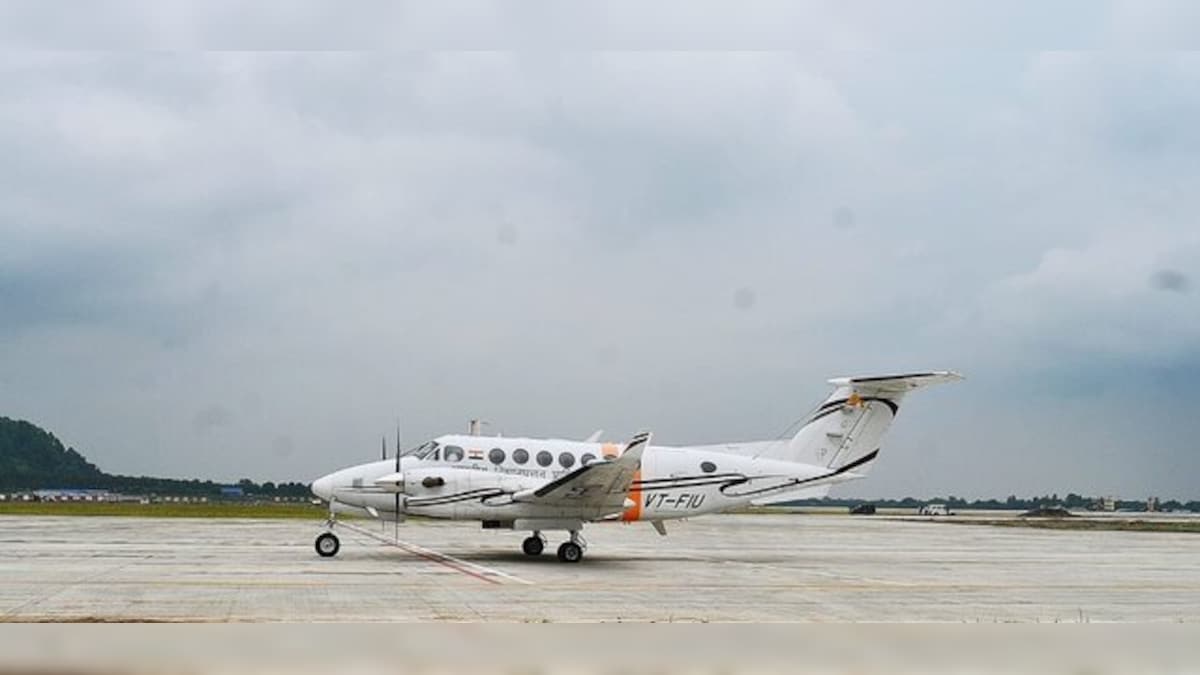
31,457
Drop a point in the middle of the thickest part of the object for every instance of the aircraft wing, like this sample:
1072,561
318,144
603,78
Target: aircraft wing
599,487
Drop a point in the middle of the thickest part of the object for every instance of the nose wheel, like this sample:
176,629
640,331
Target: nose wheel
327,544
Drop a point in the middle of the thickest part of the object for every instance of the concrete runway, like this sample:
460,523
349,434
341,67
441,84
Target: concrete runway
717,568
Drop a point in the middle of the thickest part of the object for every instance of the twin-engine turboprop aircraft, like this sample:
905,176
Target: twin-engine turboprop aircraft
540,485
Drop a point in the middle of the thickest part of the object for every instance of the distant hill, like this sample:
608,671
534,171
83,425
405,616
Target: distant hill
31,458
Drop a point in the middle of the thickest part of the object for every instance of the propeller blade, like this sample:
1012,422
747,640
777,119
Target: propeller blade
383,448
396,530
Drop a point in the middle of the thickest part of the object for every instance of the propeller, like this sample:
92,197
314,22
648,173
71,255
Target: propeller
396,532
382,457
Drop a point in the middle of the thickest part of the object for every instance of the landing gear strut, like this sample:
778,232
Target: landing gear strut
534,544
572,551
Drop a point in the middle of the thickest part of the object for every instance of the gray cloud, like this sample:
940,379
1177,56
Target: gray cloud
744,298
1171,280
212,417
344,238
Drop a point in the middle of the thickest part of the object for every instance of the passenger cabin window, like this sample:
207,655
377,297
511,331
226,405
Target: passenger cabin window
496,456
708,467
544,458
520,455
566,459
587,458
453,453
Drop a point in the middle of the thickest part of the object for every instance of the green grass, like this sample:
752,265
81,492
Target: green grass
167,510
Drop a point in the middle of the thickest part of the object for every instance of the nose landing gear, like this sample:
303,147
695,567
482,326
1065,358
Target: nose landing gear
327,543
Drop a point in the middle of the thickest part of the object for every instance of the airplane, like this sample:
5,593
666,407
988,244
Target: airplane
540,485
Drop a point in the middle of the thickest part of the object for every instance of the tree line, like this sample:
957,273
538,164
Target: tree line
1071,501
32,458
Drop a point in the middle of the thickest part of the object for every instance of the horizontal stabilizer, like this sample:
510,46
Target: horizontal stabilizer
897,383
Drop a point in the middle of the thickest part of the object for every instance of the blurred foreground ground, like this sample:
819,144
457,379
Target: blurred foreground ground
529,649
806,568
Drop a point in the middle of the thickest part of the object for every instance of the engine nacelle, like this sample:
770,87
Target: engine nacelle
435,480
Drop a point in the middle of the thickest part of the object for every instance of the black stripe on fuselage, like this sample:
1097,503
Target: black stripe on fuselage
798,482
719,481
700,476
481,494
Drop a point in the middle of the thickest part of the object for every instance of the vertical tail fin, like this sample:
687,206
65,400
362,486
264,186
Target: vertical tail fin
846,431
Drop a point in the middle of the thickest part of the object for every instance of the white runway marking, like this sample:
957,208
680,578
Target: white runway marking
488,574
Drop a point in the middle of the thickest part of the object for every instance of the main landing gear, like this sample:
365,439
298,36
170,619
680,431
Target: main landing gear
534,544
568,552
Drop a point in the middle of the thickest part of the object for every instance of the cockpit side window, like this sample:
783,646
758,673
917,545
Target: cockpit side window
453,453
427,450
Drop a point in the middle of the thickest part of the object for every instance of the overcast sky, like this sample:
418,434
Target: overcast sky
230,265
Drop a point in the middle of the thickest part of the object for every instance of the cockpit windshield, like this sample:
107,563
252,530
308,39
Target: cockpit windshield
426,450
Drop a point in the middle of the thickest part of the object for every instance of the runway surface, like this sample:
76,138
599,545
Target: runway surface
782,567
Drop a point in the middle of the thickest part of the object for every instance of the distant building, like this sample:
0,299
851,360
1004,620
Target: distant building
933,510
73,495
232,492
1152,504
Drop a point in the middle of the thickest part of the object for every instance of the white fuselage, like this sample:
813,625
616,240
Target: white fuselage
475,478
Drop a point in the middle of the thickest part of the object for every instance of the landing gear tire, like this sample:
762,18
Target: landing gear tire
570,552
533,546
327,545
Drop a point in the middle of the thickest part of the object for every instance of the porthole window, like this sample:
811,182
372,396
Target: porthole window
520,455
566,459
496,456
452,453
544,458
708,467
587,458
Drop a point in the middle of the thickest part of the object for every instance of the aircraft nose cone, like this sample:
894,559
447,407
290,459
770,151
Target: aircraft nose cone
323,487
